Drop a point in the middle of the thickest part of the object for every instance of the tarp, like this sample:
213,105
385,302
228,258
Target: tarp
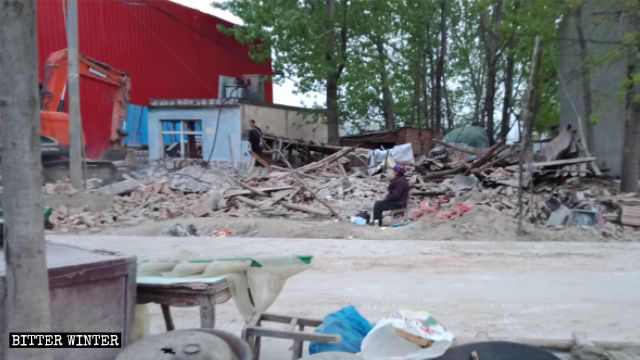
472,136
398,153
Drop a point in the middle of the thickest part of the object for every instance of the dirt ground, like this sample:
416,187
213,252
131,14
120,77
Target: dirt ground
478,289
481,223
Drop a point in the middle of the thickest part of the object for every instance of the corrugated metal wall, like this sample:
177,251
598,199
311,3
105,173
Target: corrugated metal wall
169,50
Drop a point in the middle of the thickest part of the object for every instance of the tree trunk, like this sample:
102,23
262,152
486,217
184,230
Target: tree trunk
586,80
491,35
431,99
27,284
508,91
440,66
448,105
631,148
526,149
333,116
508,82
490,97
333,121
387,97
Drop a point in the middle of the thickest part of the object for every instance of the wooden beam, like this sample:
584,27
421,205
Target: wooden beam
455,147
326,160
307,209
245,186
486,157
252,203
558,162
260,160
305,186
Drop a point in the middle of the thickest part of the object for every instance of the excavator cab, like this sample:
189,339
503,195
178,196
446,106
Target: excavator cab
55,122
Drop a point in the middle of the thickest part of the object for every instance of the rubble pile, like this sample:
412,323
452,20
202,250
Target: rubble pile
558,189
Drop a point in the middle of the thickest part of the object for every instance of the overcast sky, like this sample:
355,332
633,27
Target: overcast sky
282,94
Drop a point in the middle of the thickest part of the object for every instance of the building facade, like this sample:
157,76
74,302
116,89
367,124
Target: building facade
218,129
169,51
604,25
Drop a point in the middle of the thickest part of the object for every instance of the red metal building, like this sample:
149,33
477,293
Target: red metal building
170,51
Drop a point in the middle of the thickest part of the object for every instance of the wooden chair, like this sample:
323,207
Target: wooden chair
395,212
253,332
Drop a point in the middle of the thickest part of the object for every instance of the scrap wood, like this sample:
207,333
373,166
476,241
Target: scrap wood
328,159
284,172
555,147
501,156
455,147
260,160
428,193
486,157
252,203
420,341
303,208
294,175
630,215
277,196
245,186
443,173
557,162
232,193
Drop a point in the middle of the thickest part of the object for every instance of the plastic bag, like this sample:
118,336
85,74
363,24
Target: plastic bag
389,338
348,323
399,153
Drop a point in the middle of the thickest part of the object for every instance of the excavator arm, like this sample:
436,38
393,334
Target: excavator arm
55,87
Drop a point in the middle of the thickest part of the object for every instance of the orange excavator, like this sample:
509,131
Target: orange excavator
55,122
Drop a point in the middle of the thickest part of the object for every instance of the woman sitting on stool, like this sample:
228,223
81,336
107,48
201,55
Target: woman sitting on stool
397,196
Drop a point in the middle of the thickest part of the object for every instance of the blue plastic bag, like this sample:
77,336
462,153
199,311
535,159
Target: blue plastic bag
347,323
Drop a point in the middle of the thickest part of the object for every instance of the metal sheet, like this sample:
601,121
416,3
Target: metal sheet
169,50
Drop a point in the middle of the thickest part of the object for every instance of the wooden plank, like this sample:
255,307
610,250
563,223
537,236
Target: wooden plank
486,157
303,208
315,195
245,186
236,192
326,160
440,142
285,319
252,203
295,335
428,193
558,162
555,147
630,215
443,173
260,160
277,196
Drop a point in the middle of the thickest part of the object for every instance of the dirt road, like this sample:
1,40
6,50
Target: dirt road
477,289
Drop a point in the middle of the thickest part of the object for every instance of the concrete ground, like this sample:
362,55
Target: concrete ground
536,290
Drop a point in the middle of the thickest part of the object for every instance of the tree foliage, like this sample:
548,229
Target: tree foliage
419,63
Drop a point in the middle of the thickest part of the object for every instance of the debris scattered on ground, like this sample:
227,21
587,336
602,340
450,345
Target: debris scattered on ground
181,230
561,191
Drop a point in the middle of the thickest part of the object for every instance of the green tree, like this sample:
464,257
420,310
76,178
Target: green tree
308,40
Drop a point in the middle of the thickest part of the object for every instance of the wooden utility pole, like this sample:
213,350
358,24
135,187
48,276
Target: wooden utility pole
525,140
27,285
75,120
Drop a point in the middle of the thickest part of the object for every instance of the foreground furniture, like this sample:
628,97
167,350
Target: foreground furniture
90,291
204,293
254,331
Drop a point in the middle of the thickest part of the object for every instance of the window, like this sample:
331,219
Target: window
182,138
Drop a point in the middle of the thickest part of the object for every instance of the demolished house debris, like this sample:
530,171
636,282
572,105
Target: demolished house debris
309,179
